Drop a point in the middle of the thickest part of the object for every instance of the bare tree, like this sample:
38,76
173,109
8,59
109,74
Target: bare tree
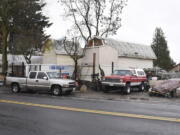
94,17
73,49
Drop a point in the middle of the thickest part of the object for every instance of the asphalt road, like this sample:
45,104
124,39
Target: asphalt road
36,114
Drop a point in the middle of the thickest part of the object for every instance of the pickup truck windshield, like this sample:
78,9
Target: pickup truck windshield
122,72
53,75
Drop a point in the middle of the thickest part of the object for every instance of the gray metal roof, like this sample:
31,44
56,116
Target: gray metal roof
126,49
18,59
59,47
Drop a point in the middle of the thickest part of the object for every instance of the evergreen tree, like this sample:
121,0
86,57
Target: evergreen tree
29,24
22,19
7,8
160,47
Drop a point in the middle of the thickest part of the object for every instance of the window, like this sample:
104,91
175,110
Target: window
41,75
133,72
53,75
140,73
32,75
122,72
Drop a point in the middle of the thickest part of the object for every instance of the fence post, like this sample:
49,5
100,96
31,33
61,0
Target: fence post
60,72
12,69
112,67
94,66
22,68
39,67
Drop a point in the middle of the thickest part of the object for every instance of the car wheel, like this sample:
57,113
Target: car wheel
15,88
127,89
56,90
142,87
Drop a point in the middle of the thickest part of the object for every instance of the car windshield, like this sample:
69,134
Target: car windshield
53,75
122,72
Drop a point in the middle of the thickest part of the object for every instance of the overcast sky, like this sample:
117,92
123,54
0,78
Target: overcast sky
139,20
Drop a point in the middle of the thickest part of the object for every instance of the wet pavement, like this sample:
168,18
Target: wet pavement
99,95
40,113
43,114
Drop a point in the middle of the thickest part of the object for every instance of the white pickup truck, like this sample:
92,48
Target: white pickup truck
40,80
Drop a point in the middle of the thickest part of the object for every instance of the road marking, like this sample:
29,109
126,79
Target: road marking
94,111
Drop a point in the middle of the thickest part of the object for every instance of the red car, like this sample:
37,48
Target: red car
125,80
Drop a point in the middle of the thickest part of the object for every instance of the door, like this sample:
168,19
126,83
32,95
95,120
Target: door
42,82
134,78
31,80
141,77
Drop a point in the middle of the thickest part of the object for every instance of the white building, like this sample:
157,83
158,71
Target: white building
18,60
123,55
55,55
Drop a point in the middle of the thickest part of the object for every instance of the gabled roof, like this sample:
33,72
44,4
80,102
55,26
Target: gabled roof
59,47
126,49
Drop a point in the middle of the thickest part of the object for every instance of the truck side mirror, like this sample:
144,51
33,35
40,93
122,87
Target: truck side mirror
45,78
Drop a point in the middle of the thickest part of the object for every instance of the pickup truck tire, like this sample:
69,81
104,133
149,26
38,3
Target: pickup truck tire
56,90
15,88
127,89
142,87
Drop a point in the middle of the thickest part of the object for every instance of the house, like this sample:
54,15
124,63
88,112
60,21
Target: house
111,54
176,68
55,55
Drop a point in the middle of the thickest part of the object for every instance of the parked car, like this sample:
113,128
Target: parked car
40,80
124,80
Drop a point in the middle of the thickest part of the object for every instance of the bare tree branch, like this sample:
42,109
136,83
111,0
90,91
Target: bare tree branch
95,17
72,49
75,20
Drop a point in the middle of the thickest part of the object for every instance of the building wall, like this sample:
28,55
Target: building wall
87,63
104,58
134,63
58,61
105,55
49,58
64,60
